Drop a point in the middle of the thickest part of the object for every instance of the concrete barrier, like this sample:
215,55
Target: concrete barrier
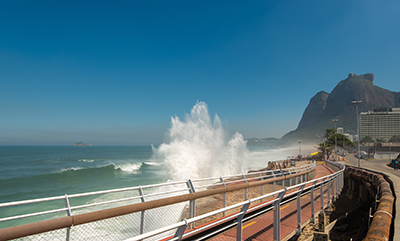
379,228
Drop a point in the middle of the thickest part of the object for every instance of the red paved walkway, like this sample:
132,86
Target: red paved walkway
261,228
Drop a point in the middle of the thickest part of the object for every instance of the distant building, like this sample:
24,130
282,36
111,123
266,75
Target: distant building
340,130
382,123
350,137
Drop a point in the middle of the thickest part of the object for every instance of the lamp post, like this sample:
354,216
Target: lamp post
299,147
343,146
335,120
358,130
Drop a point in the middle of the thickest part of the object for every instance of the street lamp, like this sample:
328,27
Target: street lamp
299,147
358,130
343,145
335,120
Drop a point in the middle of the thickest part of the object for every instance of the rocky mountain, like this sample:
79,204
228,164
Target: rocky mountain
324,107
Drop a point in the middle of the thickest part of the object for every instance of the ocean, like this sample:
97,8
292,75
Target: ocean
30,172
195,148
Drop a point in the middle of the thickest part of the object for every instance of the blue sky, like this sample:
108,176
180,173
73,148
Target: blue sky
115,72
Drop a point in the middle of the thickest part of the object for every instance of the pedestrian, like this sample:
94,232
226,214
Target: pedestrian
396,162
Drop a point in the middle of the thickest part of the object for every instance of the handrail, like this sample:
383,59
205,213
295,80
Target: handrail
228,180
184,223
53,224
136,188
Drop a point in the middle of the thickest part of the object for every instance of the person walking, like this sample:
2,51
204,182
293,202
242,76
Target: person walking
396,162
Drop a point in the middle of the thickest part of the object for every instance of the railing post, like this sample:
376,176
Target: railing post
192,203
142,212
334,189
69,213
338,185
239,219
328,185
245,190
301,176
342,184
262,187
299,209
277,216
290,179
322,194
307,176
313,202
181,230
224,195
273,173
342,181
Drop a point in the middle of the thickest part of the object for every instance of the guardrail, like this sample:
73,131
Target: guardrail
332,183
175,199
381,214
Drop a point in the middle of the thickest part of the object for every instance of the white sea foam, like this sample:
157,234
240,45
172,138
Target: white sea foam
128,167
85,160
199,147
260,158
71,169
153,163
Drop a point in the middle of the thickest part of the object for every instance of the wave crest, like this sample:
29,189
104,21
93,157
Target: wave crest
201,148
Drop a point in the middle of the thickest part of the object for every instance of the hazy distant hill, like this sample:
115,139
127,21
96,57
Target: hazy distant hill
324,107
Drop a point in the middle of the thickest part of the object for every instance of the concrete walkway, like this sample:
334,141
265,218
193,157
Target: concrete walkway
381,167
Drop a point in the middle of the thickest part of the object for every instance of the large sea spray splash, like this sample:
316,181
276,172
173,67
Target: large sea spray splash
195,148
199,147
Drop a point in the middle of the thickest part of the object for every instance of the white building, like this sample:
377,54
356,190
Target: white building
382,123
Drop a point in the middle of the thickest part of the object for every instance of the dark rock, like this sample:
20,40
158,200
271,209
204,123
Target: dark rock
324,107
370,77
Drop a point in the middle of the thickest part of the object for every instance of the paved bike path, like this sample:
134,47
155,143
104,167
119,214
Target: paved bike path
261,228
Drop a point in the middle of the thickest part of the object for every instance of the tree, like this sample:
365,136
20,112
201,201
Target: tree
344,142
329,144
367,139
380,140
325,149
395,138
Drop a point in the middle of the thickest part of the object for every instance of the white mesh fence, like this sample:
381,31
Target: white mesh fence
137,223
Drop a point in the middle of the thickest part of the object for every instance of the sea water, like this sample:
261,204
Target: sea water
196,147
30,172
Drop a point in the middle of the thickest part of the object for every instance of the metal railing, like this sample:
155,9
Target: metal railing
129,219
332,183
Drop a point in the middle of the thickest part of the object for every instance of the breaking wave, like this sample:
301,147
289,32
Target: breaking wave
199,147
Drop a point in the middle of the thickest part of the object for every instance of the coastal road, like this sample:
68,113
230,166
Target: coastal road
378,165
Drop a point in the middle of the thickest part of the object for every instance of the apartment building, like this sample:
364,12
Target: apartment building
382,123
